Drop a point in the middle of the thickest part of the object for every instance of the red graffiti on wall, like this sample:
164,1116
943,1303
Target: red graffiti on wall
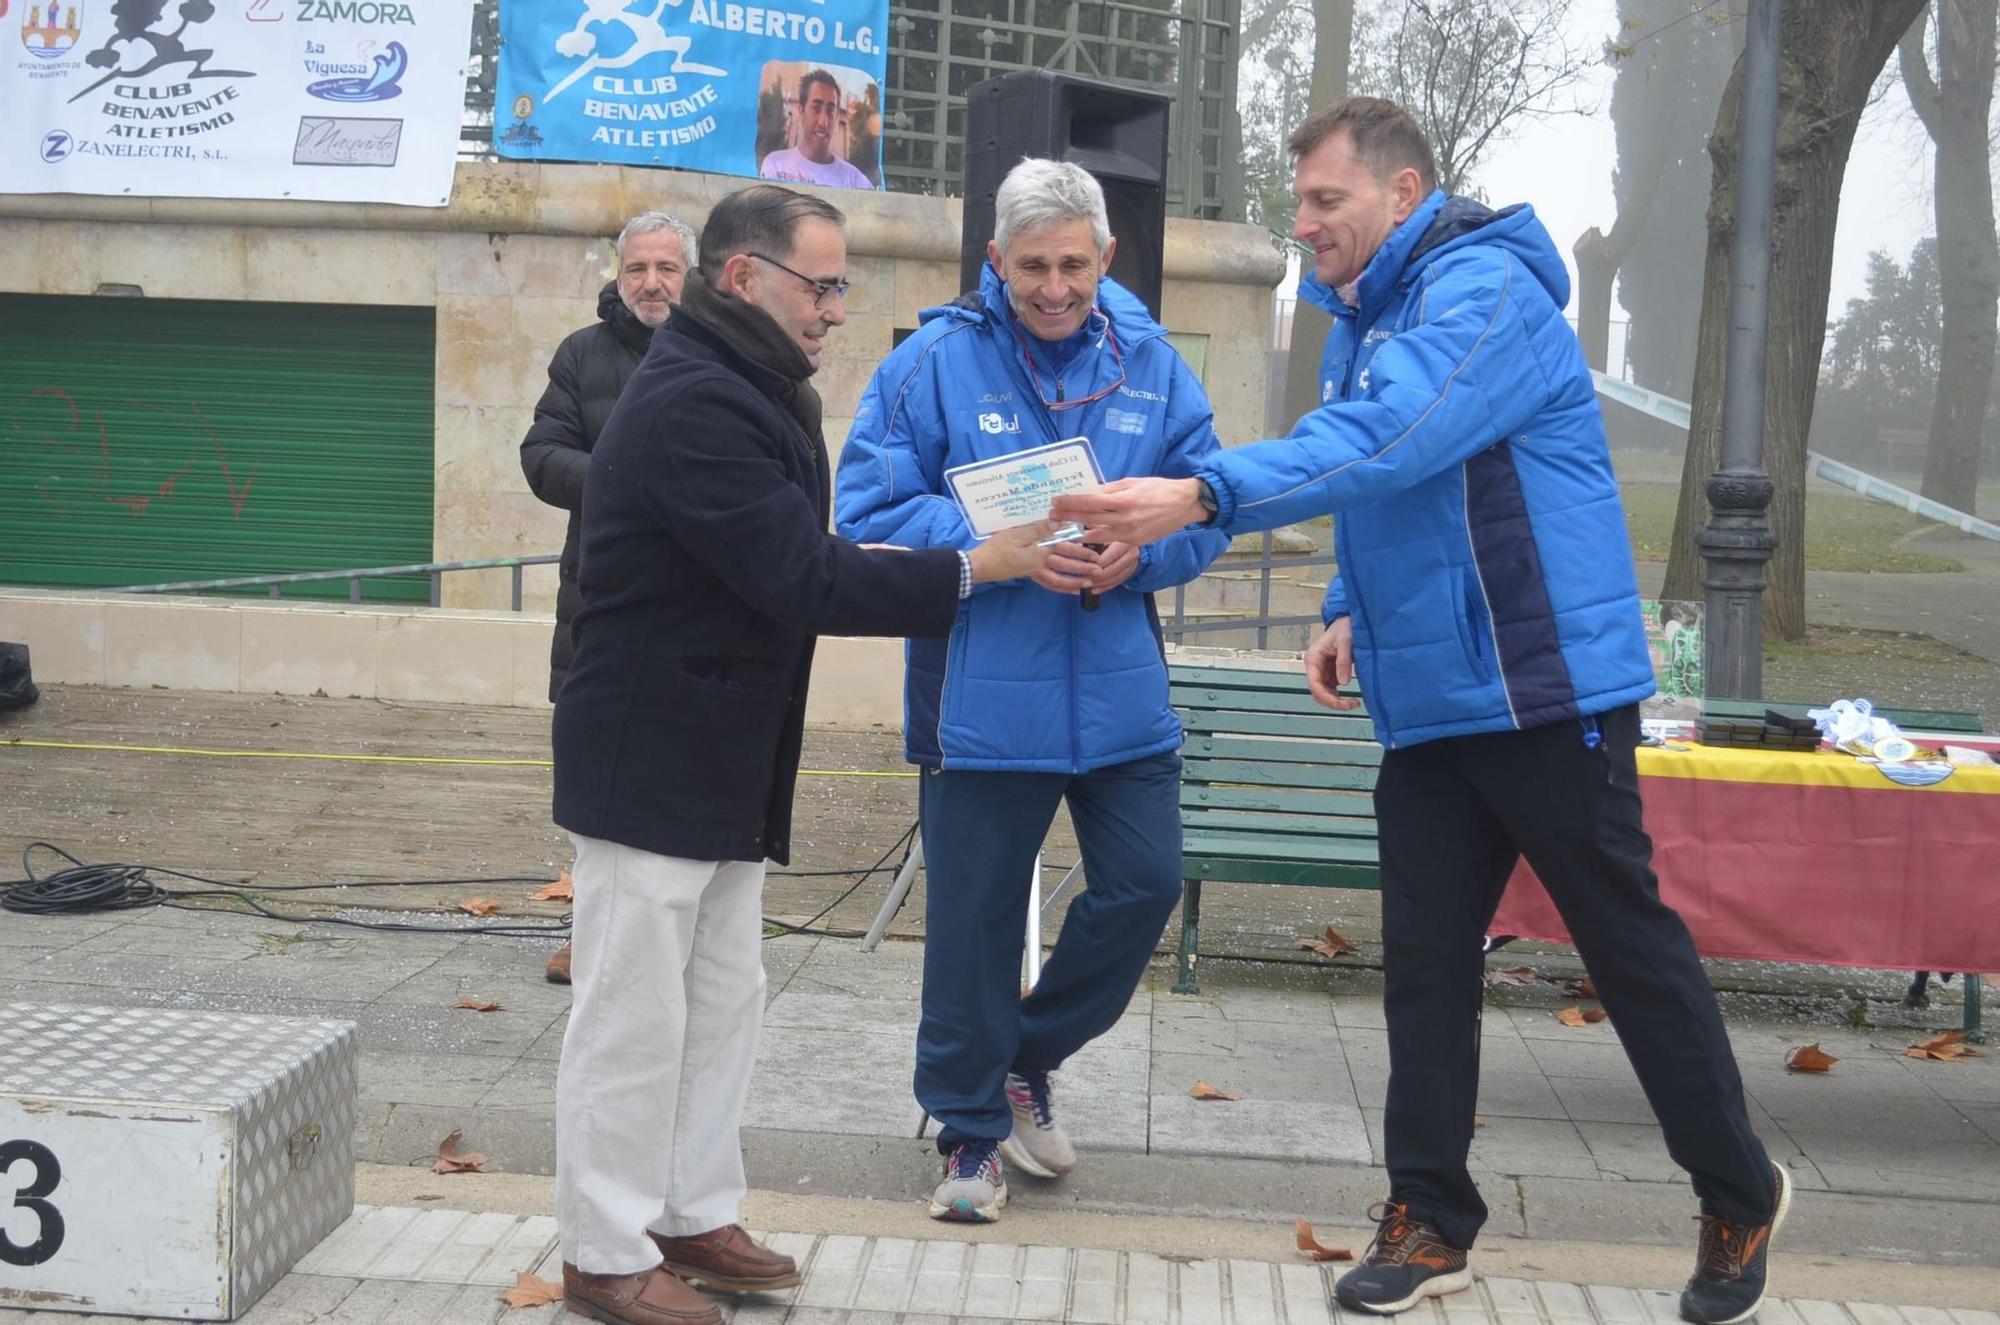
98,452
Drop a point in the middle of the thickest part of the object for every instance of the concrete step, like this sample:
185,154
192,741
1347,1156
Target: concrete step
1293,592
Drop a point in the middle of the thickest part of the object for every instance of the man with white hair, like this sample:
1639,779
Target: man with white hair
1046,691
586,375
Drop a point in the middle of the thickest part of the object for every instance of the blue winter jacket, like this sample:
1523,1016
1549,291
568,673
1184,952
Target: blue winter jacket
1027,681
1482,547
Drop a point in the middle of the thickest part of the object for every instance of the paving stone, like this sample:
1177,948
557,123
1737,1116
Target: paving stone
1518,1094
1275,1129
1538,1147
1307,1295
869,1095
296,1299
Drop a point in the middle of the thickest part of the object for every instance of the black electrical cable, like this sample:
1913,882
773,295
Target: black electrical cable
83,888
116,886
903,843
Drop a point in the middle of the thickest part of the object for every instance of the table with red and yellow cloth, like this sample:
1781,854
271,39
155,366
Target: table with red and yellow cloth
1819,858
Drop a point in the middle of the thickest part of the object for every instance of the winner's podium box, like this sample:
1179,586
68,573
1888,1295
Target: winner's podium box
166,1163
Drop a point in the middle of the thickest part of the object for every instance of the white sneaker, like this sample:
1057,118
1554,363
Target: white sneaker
973,1189
1037,1144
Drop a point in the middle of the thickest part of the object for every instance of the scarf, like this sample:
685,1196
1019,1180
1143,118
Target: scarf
755,335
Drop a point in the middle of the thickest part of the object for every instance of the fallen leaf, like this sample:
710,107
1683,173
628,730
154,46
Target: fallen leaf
450,1161
1513,975
479,906
1329,944
1580,1017
1595,1015
531,1291
1203,1091
562,890
474,1005
1581,988
1478,1120
1944,1047
1810,1058
1313,1247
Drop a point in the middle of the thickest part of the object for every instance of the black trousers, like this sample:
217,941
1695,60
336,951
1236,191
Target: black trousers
1454,815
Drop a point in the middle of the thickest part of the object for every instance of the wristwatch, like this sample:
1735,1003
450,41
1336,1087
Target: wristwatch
1206,496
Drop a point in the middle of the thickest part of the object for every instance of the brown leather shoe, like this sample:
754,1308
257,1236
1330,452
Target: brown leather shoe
650,1297
558,972
728,1260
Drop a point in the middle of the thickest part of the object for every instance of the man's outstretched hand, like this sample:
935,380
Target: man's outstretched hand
1330,663
1133,510
1012,554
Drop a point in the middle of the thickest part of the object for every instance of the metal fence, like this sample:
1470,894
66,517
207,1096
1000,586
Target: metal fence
1180,622
1178,625
939,48
275,584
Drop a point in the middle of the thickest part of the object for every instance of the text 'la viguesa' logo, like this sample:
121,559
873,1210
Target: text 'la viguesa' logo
158,94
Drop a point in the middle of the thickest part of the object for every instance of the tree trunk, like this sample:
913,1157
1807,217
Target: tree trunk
1954,111
1333,40
1598,258
1596,269
1834,49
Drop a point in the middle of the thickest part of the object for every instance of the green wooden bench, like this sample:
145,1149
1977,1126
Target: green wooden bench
1276,789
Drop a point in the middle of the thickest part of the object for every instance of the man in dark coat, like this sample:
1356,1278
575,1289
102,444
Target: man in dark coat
707,572
588,370
587,373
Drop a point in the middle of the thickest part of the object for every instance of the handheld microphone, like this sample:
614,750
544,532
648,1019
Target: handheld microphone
1090,595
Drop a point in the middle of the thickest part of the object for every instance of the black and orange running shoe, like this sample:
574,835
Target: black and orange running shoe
1408,1261
1728,1282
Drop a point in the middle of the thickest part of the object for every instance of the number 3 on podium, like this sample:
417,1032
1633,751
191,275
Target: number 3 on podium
49,1231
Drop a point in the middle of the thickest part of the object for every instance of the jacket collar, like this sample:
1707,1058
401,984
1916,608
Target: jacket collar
691,328
624,324
1384,272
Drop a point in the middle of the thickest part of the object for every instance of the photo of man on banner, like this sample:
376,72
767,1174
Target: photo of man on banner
791,94
819,124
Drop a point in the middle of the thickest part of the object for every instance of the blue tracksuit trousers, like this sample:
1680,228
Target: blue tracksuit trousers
981,832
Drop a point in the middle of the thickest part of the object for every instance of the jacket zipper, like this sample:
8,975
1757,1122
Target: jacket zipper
1075,721
1356,606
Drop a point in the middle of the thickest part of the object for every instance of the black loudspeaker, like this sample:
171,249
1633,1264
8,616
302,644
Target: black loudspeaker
17,683
1117,134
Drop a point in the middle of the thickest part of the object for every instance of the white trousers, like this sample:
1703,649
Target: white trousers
667,1004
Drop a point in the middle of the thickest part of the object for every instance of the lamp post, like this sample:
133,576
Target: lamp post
1737,541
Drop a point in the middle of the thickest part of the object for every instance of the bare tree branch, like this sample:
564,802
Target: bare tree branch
1923,89
1472,71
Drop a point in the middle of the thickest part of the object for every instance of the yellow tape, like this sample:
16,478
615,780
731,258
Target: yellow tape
379,759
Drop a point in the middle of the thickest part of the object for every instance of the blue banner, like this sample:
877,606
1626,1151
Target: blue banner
790,94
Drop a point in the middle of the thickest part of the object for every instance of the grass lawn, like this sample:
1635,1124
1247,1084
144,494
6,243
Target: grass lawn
1842,532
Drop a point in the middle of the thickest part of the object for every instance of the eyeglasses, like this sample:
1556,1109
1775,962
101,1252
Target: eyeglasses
821,289
1058,405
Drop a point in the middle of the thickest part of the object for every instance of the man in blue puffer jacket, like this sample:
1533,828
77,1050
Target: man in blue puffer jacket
1044,692
1486,601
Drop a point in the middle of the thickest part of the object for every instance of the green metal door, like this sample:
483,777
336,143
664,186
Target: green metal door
150,440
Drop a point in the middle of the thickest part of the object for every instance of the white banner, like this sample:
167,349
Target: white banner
338,100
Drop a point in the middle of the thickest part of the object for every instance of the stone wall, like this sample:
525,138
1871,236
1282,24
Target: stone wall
515,263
